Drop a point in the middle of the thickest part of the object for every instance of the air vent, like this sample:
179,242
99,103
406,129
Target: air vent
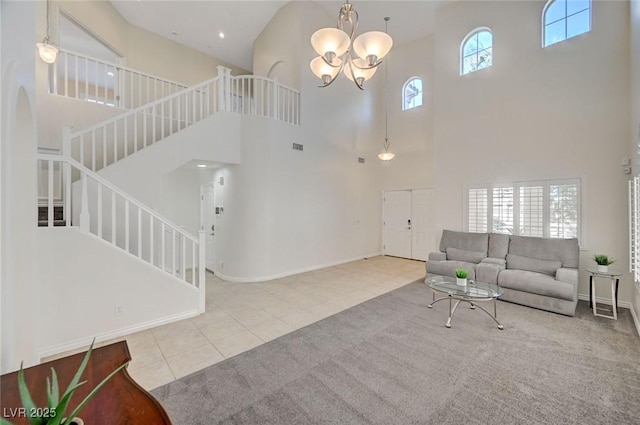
361,160
297,147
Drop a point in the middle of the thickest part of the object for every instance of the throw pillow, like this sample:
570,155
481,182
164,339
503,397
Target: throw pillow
456,254
538,265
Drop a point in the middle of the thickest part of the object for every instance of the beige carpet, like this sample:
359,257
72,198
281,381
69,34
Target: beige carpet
391,361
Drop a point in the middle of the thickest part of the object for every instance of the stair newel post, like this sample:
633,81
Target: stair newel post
224,88
202,243
66,153
84,209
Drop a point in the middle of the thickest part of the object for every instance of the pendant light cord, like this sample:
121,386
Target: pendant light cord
47,36
386,100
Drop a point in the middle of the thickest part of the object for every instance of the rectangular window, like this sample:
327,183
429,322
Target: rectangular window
477,212
542,209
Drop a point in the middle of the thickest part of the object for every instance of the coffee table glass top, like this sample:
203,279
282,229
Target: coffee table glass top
472,290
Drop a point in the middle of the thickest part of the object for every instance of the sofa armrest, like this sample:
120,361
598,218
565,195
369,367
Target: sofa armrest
497,261
437,256
567,275
488,272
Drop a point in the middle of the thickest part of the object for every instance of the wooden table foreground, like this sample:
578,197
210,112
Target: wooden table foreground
121,401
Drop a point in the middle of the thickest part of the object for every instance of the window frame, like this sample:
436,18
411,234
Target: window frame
464,42
404,87
546,207
544,23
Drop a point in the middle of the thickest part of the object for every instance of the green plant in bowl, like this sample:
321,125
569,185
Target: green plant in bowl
603,260
55,412
461,273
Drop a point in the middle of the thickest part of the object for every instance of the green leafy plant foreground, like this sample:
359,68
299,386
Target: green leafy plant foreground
55,412
461,273
603,260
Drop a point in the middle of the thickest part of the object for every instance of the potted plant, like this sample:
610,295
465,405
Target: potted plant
603,263
55,413
461,277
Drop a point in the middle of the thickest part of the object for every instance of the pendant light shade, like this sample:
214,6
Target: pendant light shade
359,70
48,52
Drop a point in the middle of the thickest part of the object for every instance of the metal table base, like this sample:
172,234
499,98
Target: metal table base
452,311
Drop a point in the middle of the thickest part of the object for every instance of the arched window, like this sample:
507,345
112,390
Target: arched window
563,19
412,93
477,51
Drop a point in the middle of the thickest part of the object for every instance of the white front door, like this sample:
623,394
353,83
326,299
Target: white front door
408,223
208,223
421,232
397,223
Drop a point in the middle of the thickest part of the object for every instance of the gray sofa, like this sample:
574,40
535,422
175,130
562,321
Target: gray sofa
536,272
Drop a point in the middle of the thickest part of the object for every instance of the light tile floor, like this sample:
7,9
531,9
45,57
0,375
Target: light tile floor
241,316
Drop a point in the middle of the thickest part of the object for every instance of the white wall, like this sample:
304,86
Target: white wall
276,52
411,131
556,112
216,138
19,293
82,295
180,198
634,19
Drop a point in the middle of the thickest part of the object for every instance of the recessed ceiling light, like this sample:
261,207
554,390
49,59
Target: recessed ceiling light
221,34
174,32
202,165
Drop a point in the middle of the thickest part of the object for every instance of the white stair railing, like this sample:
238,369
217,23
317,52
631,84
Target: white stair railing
82,77
100,208
112,140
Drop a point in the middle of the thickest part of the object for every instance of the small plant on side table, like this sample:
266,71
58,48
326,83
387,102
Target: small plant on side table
461,277
55,412
603,262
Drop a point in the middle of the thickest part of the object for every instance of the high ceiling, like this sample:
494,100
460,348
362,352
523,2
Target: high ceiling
197,23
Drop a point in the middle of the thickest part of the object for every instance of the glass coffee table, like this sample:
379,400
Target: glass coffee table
472,293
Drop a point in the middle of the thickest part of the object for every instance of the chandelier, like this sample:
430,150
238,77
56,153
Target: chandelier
335,45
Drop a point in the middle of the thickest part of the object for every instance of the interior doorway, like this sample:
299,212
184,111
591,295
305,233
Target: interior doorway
208,222
407,223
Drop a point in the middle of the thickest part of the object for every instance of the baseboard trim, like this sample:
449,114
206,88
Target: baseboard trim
607,301
235,279
105,336
636,320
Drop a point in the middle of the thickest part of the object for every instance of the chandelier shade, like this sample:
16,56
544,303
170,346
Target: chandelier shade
386,156
372,46
359,70
336,45
323,70
330,40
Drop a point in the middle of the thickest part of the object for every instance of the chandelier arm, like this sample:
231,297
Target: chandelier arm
330,64
353,75
369,67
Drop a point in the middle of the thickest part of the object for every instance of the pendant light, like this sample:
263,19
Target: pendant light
386,155
47,50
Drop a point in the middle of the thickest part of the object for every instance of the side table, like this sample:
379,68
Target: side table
614,278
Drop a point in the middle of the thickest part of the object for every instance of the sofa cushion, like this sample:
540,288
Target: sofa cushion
498,245
456,254
518,262
448,268
464,240
564,250
536,283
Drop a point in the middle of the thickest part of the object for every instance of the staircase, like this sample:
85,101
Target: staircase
71,190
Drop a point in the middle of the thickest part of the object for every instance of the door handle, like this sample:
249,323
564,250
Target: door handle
212,227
